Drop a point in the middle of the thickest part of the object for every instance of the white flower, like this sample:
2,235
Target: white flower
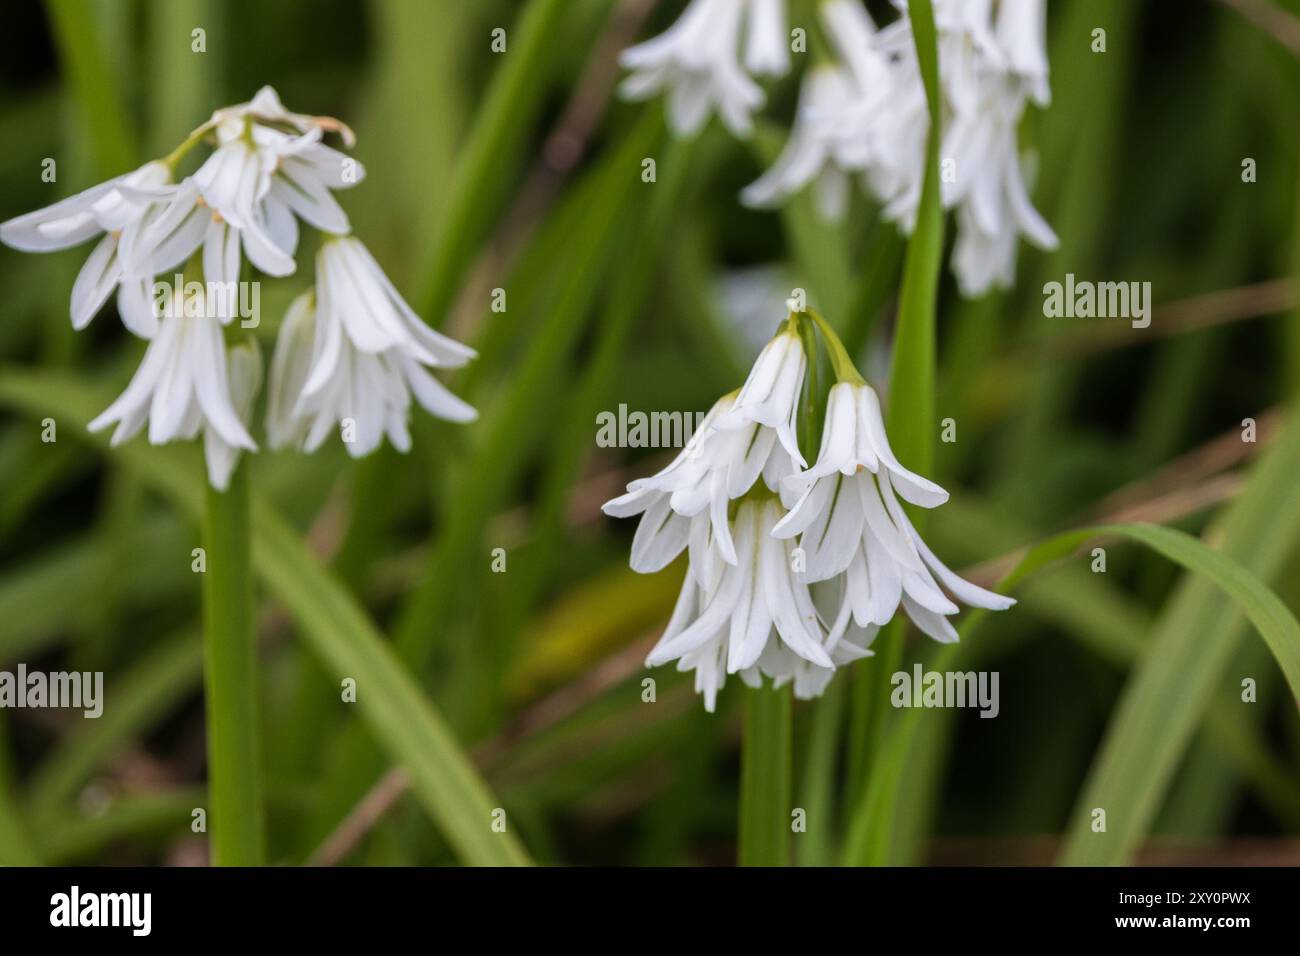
696,62
770,395
113,209
265,107
352,353
181,387
1022,34
872,116
988,189
727,614
816,150
767,48
745,435
355,358
247,194
850,522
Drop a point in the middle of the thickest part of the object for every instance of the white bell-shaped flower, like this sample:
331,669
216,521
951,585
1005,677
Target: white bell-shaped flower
183,385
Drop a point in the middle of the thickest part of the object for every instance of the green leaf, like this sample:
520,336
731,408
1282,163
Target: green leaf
1132,737
511,104
16,847
910,415
331,622
1193,644
82,56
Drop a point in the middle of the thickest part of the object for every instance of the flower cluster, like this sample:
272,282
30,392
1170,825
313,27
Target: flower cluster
350,353
863,114
793,569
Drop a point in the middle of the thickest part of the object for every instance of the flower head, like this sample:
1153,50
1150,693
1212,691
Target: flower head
247,194
817,151
870,116
696,62
182,386
352,353
790,586
116,210
729,613
746,434
846,512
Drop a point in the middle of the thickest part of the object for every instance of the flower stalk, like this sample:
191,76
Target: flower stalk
765,772
236,816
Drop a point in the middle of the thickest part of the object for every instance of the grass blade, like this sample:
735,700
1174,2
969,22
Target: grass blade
511,104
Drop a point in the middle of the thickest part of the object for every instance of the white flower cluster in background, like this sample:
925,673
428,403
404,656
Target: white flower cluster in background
793,568
351,353
862,114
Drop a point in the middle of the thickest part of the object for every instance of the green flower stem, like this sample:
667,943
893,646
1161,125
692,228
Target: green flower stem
229,679
765,778
841,361
910,416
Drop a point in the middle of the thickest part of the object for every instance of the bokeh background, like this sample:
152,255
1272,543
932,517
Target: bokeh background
522,171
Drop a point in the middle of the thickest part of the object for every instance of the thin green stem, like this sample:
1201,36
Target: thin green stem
910,416
841,361
765,778
229,655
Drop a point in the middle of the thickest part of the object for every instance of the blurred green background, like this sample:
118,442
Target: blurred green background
522,171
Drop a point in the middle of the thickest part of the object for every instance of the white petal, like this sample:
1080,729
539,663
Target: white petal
935,625
135,305
660,537
95,282
62,225
919,491
212,385
435,397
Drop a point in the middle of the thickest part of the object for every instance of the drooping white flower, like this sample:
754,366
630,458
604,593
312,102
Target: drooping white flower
1021,31
987,71
182,386
351,354
846,512
728,615
247,194
746,434
817,151
113,209
696,62
988,188
355,359
770,395
767,47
